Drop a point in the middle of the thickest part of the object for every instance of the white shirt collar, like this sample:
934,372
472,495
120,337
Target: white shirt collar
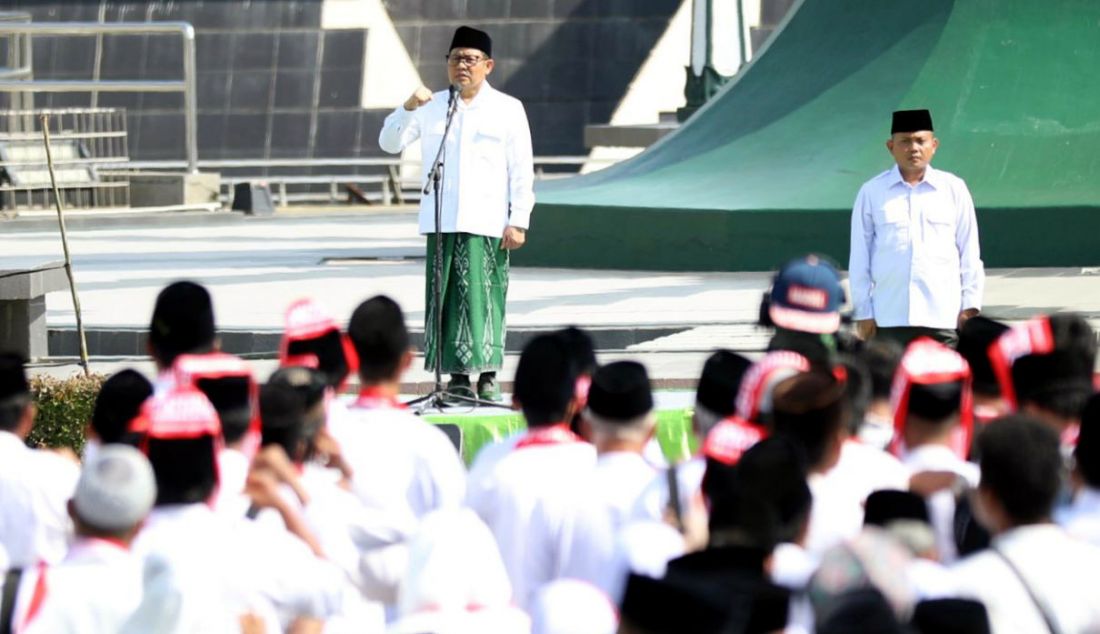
931,177
482,97
10,441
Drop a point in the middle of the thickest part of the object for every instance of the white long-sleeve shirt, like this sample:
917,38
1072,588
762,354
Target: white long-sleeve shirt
35,486
914,258
488,168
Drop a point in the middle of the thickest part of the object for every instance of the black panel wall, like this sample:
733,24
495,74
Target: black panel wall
273,84
569,61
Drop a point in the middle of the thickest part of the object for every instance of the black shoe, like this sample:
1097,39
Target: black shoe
487,387
459,385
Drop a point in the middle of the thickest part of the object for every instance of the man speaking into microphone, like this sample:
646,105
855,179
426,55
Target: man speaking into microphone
486,193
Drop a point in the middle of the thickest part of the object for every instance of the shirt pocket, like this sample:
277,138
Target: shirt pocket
434,134
939,237
489,146
892,226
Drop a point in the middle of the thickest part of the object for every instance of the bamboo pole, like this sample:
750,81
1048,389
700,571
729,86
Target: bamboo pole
45,118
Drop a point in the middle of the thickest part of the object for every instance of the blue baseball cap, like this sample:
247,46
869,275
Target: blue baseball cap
806,296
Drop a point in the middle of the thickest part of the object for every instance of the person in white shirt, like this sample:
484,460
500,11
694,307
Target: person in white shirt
810,408
934,422
881,358
548,462
1044,367
35,484
202,568
228,382
915,265
1034,577
118,402
182,323
399,463
620,420
486,197
715,400
98,585
1081,517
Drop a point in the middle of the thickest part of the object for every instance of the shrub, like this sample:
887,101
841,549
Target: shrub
64,409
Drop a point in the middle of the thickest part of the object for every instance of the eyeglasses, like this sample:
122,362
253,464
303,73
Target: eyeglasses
464,60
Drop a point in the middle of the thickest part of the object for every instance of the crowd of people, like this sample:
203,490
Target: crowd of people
839,485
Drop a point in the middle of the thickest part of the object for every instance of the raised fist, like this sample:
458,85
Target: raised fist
419,97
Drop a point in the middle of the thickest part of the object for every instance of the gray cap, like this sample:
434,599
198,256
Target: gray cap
116,489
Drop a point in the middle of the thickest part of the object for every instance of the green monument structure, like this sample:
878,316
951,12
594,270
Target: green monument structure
770,166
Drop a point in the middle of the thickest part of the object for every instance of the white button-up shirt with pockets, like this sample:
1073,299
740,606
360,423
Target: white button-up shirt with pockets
488,168
915,258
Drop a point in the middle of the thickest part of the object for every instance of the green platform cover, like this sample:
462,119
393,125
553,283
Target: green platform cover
769,168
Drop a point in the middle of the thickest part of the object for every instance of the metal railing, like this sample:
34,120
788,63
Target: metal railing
12,83
393,179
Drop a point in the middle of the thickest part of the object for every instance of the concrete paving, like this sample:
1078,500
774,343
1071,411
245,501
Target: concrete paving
255,267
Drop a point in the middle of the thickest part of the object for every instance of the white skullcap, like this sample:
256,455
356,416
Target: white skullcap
570,606
116,489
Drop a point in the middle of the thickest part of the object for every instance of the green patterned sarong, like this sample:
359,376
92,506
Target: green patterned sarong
475,285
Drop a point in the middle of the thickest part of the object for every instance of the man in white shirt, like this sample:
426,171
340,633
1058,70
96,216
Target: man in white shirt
35,484
934,421
1081,517
227,381
118,402
486,197
810,408
915,265
548,462
620,421
182,323
202,568
98,585
1044,367
1034,577
400,463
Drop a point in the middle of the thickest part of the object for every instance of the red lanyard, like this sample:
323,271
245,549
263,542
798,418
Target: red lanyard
375,397
558,434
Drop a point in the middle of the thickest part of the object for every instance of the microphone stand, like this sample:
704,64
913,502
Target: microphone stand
434,399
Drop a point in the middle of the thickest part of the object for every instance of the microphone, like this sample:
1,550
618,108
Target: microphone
453,91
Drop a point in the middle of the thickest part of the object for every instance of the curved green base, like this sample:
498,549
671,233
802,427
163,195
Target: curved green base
769,168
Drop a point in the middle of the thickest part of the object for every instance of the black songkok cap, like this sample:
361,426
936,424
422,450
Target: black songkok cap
911,121
935,401
720,381
466,37
886,506
119,402
861,610
13,378
620,391
183,320
1063,374
660,605
977,334
951,616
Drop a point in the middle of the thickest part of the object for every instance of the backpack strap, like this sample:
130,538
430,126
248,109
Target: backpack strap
7,600
1052,625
